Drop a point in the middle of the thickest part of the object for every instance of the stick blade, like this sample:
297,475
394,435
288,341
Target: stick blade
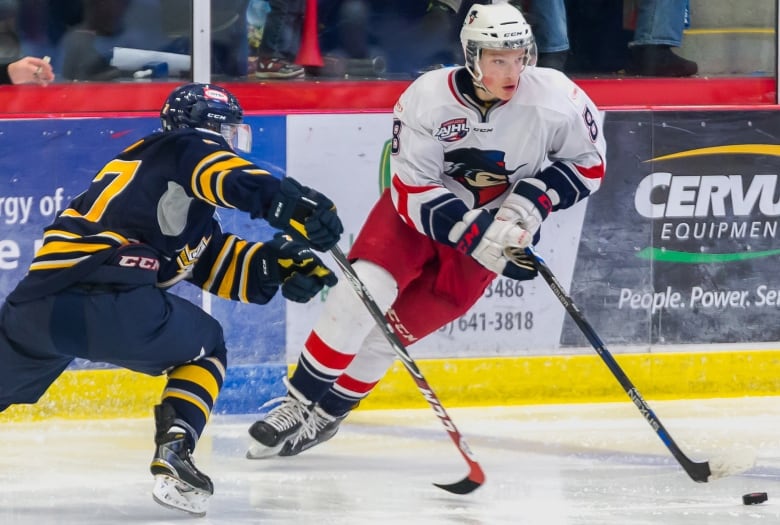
464,486
732,463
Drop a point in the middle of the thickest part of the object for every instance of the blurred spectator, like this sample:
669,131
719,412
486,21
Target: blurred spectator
598,36
345,31
438,34
229,50
407,35
229,36
43,23
550,27
281,39
62,15
659,27
87,47
10,46
155,25
347,37
27,70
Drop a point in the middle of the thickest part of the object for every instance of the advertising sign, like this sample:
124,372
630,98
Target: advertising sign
681,242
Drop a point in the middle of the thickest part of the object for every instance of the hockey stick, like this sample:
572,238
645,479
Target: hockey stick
698,471
475,477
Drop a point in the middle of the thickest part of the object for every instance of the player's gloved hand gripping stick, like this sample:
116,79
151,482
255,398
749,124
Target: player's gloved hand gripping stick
476,476
703,471
306,214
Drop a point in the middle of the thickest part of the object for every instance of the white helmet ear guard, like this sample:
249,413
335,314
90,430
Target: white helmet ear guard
495,26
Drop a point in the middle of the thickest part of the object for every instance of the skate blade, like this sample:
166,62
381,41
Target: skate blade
259,451
175,494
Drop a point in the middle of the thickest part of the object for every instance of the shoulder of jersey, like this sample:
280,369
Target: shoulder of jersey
428,88
432,81
551,82
435,76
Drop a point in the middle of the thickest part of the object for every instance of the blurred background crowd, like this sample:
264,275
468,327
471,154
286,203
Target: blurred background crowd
104,40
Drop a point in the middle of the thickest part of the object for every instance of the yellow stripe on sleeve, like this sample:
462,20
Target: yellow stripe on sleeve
56,247
229,275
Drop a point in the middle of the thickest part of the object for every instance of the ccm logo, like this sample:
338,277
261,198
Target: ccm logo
134,261
400,329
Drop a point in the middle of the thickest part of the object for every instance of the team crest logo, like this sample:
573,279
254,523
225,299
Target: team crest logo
452,130
472,17
482,172
189,256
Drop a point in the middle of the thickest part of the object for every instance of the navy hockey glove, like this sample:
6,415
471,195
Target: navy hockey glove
293,265
485,239
520,266
306,214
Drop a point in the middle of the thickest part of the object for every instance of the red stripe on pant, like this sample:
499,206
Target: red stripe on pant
354,387
325,356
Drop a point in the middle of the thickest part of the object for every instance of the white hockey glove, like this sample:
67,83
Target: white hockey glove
485,239
528,205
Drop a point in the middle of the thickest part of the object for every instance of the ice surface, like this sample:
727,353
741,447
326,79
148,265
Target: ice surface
588,464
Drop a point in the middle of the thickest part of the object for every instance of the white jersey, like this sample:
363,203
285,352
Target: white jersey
451,154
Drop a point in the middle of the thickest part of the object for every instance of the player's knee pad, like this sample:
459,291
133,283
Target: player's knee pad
344,304
378,281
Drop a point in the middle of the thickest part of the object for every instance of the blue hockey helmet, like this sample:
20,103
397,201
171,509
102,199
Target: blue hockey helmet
206,106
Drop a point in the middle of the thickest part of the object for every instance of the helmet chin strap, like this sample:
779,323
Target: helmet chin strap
476,79
479,86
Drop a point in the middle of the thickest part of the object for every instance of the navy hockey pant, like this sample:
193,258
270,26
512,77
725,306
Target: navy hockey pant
144,329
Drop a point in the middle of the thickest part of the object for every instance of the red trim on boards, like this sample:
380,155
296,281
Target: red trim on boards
132,98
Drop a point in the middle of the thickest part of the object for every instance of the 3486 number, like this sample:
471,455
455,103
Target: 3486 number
505,288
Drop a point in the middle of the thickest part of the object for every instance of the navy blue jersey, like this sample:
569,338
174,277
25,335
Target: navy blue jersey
160,194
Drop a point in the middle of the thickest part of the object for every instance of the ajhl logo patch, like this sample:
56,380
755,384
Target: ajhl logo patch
452,130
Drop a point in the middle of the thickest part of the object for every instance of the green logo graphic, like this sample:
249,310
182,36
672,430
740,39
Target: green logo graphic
664,255
384,167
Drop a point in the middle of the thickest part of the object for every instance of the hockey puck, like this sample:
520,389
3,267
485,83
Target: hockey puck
754,498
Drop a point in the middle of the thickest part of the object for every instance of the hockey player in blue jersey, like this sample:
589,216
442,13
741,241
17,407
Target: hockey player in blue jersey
96,288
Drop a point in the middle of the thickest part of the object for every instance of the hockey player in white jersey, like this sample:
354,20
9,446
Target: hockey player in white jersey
481,155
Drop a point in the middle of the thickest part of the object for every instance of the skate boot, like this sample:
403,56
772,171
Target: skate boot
280,425
318,428
178,484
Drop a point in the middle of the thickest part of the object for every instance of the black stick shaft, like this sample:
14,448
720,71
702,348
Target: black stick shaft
698,471
475,477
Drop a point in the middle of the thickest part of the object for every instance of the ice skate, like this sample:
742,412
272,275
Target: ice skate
178,484
280,425
318,428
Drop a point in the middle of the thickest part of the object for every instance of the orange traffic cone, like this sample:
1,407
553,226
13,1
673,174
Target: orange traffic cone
309,51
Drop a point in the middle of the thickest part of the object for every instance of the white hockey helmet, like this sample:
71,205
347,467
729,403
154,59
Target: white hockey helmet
495,26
